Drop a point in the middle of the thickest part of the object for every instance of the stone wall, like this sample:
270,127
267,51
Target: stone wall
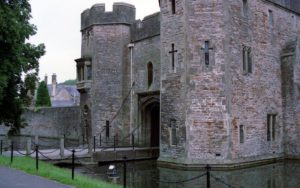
105,36
212,101
206,99
290,92
106,42
293,5
148,27
255,95
193,94
173,81
144,52
51,122
109,62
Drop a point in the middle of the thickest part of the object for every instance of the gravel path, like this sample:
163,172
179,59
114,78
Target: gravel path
10,178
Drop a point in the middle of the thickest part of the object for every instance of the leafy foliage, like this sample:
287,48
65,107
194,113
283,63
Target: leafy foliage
43,98
17,58
28,90
69,82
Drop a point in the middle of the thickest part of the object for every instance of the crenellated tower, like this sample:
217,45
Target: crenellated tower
214,80
103,66
173,81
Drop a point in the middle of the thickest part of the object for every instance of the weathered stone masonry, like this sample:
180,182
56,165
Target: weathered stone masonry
208,106
106,37
52,122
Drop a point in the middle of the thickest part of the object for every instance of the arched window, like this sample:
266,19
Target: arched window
150,73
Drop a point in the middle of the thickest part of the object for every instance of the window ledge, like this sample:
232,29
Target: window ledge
84,85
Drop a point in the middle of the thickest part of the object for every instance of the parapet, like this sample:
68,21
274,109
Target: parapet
293,5
122,13
149,27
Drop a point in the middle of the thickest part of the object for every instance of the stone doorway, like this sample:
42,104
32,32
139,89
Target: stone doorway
150,119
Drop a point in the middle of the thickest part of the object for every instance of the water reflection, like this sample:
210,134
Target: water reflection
146,174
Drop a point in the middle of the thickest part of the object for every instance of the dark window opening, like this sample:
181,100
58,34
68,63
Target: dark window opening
107,129
173,51
150,74
271,19
88,72
173,5
247,60
80,73
271,127
84,70
206,52
244,60
294,23
245,8
241,134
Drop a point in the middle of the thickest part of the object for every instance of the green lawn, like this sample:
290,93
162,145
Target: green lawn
52,172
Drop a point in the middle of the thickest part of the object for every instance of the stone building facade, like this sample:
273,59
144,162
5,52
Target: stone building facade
62,95
205,81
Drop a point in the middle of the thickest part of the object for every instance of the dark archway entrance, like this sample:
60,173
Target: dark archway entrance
150,120
152,124
155,126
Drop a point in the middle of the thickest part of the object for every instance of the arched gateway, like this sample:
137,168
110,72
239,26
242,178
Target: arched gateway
149,113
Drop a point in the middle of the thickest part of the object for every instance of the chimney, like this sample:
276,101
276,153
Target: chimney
46,79
54,85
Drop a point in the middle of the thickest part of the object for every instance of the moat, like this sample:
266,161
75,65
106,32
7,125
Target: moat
146,174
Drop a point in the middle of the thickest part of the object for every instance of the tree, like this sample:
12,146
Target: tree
69,82
28,90
17,58
43,98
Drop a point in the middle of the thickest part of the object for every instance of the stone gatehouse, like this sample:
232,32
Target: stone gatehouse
205,81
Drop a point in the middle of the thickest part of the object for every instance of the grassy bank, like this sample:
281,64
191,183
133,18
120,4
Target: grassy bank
52,172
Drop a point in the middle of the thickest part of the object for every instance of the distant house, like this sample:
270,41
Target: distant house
62,95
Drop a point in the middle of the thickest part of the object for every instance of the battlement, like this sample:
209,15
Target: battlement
148,27
293,5
122,13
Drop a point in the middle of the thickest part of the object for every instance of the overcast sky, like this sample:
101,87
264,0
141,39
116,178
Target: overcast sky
58,24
